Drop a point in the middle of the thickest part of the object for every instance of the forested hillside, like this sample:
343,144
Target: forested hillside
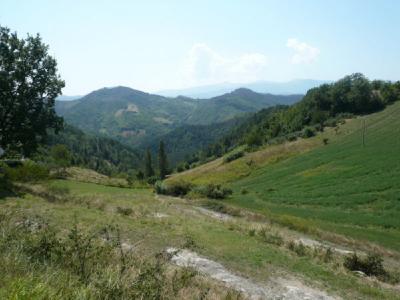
134,117
185,141
321,106
102,154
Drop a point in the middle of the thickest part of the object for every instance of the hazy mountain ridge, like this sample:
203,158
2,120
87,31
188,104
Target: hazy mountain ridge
133,116
296,86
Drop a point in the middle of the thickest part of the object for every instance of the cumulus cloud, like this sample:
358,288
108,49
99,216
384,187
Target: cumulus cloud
304,53
203,65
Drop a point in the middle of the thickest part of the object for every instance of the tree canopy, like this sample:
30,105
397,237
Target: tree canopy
29,84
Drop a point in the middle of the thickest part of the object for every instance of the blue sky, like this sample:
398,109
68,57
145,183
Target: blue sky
154,45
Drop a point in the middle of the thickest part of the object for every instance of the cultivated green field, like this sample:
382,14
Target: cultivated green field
343,187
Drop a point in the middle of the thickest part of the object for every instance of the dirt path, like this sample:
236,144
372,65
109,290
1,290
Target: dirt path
225,217
213,214
276,289
313,243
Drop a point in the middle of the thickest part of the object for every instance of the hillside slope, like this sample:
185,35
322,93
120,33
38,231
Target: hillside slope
343,187
133,116
102,154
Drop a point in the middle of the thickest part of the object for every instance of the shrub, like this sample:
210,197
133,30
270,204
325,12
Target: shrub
152,179
292,136
308,132
91,261
28,171
180,168
125,211
233,156
139,175
214,191
331,122
297,248
372,265
189,242
243,191
176,188
160,188
271,238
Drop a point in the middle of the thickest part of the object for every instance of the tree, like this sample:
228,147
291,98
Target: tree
139,175
162,161
29,84
61,155
254,138
148,168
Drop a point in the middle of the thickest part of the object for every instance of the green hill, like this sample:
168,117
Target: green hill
134,117
342,187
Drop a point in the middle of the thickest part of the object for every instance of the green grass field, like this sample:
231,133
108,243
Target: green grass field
343,187
343,192
93,206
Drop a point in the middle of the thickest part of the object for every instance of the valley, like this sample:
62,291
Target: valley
204,150
137,118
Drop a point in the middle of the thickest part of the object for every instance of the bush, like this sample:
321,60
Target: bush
125,211
180,168
152,179
28,171
372,265
292,136
299,248
308,132
177,188
271,238
243,191
233,156
139,175
214,191
88,262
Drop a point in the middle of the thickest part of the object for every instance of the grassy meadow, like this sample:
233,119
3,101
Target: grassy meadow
151,223
343,187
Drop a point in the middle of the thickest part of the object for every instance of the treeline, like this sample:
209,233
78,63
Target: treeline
186,140
102,154
320,107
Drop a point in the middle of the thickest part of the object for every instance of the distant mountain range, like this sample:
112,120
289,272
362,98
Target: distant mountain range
297,86
136,117
67,98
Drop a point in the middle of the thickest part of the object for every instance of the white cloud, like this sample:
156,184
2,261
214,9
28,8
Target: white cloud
203,65
304,53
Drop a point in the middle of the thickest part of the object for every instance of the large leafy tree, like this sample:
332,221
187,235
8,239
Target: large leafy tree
29,84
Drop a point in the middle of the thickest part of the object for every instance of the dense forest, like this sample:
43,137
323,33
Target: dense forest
185,141
102,154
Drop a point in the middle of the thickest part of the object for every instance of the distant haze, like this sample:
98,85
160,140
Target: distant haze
68,98
298,86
